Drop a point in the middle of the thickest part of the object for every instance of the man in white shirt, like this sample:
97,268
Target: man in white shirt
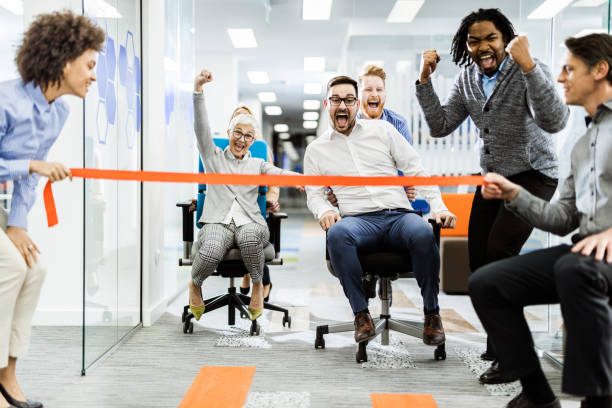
373,217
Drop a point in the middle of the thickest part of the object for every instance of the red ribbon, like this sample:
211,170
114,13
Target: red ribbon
253,179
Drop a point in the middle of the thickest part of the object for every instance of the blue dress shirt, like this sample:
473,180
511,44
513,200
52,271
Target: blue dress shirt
29,126
488,83
398,121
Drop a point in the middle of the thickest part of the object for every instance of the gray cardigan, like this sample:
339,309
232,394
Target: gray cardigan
515,123
219,198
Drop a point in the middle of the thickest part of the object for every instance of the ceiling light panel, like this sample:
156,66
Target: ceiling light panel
14,6
281,128
258,77
316,9
314,64
548,9
404,11
310,116
283,136
310,124
242,37
266,96
273,110
312,88
312,104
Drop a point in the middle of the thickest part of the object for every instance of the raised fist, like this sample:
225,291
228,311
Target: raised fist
429,62
518,49
200,79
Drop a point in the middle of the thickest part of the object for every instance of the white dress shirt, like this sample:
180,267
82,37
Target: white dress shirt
237,213
374,148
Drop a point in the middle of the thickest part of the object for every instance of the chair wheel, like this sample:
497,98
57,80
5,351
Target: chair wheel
362,355
190,331
243,315
440,352
287,319
187,326
184,316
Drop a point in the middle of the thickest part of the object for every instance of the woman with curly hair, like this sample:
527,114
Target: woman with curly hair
57,57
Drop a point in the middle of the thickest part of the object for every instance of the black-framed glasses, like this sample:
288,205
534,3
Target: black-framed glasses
239,135
348,101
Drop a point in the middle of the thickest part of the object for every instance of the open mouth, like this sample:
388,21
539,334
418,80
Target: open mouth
238,148
487,61
342,119
373,105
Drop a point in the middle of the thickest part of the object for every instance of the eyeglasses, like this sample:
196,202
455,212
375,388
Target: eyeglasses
239,135
348,101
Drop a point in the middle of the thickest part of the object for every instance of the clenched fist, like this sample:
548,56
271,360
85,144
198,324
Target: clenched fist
429,62
51,170
518,49
200,79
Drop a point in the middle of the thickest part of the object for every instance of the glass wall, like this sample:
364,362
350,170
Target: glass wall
112,129
179,152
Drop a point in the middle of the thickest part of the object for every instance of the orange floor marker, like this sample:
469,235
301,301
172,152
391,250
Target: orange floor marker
219,387
403,401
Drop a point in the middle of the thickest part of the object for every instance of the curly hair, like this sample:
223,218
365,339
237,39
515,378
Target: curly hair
373,70
501,22
51,41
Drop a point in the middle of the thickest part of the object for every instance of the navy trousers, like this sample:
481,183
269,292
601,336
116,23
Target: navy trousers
384,230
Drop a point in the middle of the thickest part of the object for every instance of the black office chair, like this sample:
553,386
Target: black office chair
387,266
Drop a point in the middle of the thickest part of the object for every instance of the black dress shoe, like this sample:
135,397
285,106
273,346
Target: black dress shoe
270,291
495,375
245,291
19,404
488,356
521,401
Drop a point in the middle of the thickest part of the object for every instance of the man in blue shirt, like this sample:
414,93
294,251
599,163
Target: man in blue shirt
373,97
57,57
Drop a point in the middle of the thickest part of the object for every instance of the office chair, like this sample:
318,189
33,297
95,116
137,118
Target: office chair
232,266
387,266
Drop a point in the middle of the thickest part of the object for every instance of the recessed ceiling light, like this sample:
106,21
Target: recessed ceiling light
310,116
281,128
242,37
589,3
312,104
310,124
258,77
404,11
312,88
284,136
14,6
314,64
273,110
266,96
548,9
316,9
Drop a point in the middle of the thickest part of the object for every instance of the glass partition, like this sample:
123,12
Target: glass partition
112,130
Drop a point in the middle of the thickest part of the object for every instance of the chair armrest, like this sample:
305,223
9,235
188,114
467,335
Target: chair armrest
436,230
274,225
187,230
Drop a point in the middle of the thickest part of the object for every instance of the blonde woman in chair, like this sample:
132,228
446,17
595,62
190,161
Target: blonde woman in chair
231,213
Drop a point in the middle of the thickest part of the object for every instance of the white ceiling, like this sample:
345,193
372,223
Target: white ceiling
357,31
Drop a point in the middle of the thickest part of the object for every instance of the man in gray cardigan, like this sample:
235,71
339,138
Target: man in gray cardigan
512,100
579,277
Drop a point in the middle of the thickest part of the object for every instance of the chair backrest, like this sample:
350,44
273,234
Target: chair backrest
258,149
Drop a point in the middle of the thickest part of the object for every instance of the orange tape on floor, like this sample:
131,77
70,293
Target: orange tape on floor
219,387
403,401
253,179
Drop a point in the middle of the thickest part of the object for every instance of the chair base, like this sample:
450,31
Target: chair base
383,325
234,301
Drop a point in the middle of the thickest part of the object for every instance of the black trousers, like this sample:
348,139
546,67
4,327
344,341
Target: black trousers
495,233
582,285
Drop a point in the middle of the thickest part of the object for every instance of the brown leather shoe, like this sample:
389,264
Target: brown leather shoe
364,327
433,332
